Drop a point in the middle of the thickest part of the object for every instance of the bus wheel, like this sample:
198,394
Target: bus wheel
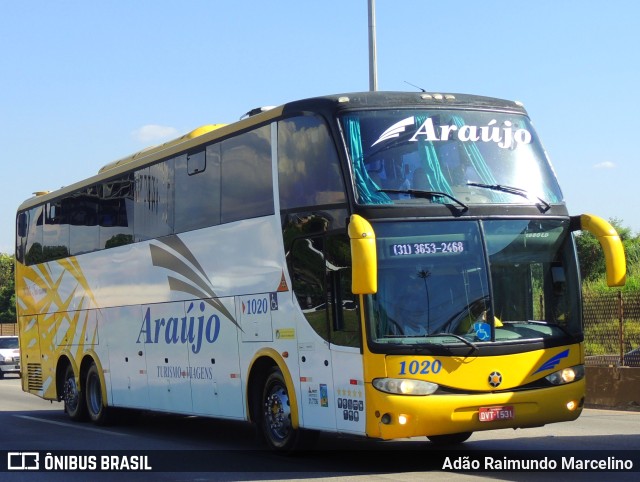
276,413
73,398
98,412
276,426
450,438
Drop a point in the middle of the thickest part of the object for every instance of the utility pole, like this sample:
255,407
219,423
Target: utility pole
373,58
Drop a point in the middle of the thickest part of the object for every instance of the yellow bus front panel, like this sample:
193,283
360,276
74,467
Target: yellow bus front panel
473,393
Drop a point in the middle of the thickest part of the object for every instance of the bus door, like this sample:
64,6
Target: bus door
346,357
307,266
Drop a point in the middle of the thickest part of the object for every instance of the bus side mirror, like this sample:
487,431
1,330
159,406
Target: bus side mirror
610,243
363,256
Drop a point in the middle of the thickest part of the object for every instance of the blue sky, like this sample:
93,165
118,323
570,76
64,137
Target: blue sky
84,83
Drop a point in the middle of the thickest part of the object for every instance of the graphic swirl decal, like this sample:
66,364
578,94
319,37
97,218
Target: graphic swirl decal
551,363
198,283
57,313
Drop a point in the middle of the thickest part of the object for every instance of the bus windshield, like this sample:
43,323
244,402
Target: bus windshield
475,156
493,281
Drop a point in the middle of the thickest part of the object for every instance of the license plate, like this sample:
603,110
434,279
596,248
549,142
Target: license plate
495,414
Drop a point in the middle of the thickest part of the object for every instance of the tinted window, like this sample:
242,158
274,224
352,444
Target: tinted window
307,268
56,232
82,208
308,166
324,293
247,190
33,239
153,201
197,189
116,212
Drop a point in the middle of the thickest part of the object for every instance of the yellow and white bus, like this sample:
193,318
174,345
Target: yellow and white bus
382,264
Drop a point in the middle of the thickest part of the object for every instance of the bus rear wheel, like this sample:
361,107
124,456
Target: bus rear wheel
450,438
74,404
97,411
276,423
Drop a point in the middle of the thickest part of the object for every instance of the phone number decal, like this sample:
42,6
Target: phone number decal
408,249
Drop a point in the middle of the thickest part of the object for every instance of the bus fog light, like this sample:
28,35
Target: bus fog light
404,386
386,419
572,405
403,419
566,375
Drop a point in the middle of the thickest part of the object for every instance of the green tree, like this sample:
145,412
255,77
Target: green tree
7,290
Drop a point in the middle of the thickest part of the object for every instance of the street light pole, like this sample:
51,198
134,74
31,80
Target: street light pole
373,60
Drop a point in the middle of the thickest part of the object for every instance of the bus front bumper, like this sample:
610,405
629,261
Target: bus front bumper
398,416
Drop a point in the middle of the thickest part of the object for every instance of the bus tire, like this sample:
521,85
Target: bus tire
275,421
73,397
98,412
450,438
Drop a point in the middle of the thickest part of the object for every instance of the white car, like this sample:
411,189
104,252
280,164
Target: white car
9,355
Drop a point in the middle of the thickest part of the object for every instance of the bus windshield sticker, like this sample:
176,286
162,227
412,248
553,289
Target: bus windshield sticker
505,137
426,248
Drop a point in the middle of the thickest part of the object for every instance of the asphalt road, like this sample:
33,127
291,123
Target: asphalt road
228,450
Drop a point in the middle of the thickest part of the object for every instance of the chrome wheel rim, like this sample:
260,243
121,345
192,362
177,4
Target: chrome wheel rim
277,413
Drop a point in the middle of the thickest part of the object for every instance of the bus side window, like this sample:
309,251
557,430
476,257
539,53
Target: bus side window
116,212
321,274
308,165
33,240
153,201
247,186
56,232
197,189
306,265
82,209
344,312
22,230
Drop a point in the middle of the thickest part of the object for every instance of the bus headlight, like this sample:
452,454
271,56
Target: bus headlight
404,386
566,375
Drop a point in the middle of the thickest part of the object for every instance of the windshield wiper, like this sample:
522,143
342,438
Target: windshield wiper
457,337
425,194
511,190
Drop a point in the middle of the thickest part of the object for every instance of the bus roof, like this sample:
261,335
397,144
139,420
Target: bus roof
381,100
324,104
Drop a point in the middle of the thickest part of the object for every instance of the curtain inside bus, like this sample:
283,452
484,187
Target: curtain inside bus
368,190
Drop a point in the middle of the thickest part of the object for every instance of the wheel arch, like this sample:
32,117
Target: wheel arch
259,367
65,360
91,358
